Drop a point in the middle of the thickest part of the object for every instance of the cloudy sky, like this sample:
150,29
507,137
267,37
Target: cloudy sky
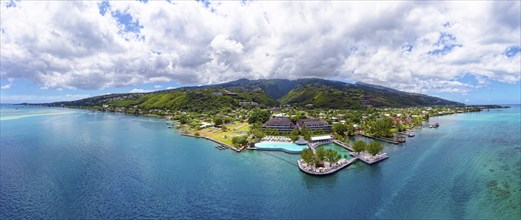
65,50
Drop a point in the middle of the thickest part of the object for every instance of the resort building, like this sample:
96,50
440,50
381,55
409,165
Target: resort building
324,138
283,125
280,115
314,124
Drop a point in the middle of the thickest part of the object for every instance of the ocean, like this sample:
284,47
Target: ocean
64,163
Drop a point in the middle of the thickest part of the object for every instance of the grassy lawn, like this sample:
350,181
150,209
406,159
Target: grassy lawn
236,129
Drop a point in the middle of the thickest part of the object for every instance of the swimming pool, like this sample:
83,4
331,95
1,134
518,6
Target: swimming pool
281,146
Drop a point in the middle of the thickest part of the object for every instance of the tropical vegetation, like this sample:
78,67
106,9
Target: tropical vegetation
322,155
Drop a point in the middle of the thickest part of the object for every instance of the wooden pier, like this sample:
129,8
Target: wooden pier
380,139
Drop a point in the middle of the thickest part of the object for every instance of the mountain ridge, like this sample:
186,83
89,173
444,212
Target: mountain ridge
306,92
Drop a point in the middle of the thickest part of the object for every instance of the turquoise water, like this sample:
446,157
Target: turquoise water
280,145
83,164
342,151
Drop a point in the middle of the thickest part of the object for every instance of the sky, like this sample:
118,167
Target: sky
66,50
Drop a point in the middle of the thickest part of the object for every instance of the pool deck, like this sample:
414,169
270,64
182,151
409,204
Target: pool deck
328,172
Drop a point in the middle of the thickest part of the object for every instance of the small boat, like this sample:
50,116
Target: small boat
411,134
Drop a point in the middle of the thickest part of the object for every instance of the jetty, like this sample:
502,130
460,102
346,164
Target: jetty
379,139
335,167
410,134
344,145
370,159
216,141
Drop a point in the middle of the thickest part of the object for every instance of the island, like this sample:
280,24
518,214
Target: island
312,117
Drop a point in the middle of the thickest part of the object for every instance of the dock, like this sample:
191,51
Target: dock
380,139
380,157
344,145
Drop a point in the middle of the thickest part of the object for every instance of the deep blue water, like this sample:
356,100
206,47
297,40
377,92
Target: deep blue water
63,163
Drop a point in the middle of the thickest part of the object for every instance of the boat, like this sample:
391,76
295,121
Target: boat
410,134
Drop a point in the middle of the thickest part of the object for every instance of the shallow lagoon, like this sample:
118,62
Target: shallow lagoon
83,164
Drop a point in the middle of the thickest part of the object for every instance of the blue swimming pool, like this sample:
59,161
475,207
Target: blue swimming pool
281,146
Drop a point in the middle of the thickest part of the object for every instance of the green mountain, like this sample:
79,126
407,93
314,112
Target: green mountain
314,93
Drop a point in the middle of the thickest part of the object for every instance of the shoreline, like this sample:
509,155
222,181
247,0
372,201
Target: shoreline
215,141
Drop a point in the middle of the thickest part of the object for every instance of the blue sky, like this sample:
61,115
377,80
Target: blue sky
463,51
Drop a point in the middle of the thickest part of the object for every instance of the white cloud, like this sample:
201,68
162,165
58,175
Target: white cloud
157,86
413,46
140,91
222,44
9,84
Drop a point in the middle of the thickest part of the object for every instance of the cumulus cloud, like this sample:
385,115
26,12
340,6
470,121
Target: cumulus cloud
412,46
222,44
